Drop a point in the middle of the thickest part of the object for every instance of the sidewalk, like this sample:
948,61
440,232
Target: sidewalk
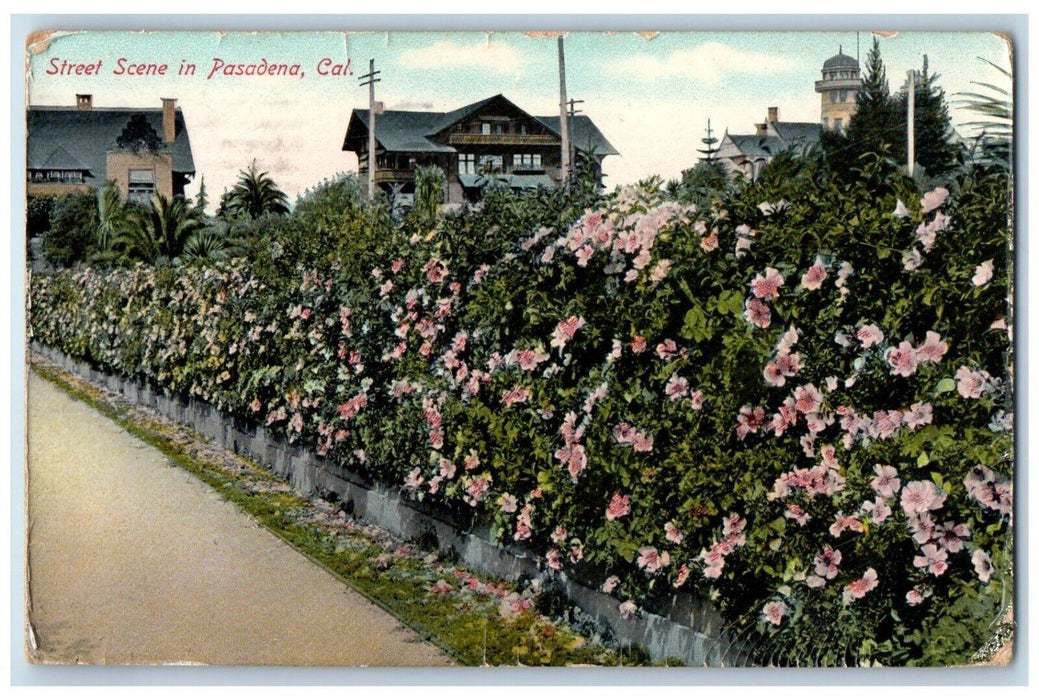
134,561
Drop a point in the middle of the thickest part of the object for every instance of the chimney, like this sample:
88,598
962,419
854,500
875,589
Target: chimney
169,119
773,114
84,102
761,129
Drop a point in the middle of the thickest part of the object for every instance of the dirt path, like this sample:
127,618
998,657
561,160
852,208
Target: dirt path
134,561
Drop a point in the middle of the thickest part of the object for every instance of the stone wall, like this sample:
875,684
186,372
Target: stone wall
690,630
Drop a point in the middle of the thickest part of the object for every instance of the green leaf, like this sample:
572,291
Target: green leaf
945,385
923,460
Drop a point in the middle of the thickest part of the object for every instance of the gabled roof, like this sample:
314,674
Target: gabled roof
415,132
789,135
82,138
585,134
60,159
798,133
758,146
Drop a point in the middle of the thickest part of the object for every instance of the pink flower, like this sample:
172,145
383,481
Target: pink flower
767,286
750,420
921,497
982,565
574,458
517,394
932,349
919,414
757,313
552,558
628,609
651,560
813,278
797,514
902,359
886,483
414,479
774,611
933,199
643,443
773,375
683,575
441,587
638,344
478,487
982,274
696,400
667,350
860,586
610,584
950,536
507,503
789,364
676,388
619,507
843,522
933,559
915,596
672,533
660,271
972,384
807,399
870,335
709,243
565,331
826,562
879,511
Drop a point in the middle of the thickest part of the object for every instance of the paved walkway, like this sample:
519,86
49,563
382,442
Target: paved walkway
134,561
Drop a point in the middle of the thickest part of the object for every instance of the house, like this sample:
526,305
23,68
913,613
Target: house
747,155
492,138
143,150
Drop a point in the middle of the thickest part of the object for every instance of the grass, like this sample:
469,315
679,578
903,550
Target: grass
464,614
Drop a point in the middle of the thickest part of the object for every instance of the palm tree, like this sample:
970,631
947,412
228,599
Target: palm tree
110,214
254,195
995,123
161,232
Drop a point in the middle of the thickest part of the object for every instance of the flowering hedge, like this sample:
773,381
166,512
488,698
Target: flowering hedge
796,403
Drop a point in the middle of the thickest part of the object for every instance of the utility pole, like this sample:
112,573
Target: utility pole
564,123
371,81
572,111
910,121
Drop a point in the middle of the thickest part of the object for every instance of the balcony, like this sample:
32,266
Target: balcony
503,140
388,175
845,84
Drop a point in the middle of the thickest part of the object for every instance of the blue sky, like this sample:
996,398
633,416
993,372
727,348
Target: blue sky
651,97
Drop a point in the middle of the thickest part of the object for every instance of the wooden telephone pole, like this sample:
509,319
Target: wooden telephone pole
370,80
910,122
564,122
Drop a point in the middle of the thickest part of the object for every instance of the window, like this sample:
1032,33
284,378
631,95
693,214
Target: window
833,96
838,124
485,128
522,129
142,186
526,161
68,176
844,95
499,129
466,164
491,162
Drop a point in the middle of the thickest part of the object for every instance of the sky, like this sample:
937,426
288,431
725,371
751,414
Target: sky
651,95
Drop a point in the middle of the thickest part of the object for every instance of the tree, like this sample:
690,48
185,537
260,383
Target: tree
138,135
202,198
73,229
430,184
993,106
878,125
111,214
160,233
254,195
709,151
936,153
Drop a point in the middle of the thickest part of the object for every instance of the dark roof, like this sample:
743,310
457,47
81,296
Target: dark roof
81,138
585,134
413,132
840,61
758,146
798,133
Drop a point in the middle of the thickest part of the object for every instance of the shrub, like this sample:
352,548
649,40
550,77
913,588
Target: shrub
793,403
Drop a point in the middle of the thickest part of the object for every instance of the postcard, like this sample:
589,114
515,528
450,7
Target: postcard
520,348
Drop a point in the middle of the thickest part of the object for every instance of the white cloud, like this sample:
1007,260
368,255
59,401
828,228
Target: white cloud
446,54
707,63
